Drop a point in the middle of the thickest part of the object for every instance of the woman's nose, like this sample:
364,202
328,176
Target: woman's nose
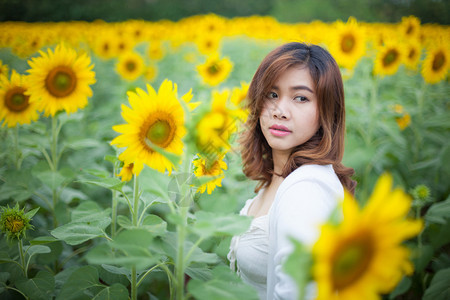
279,110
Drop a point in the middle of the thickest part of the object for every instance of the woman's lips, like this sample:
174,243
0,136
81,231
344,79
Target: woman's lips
279,130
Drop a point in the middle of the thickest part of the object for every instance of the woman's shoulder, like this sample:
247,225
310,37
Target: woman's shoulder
249,202
312,176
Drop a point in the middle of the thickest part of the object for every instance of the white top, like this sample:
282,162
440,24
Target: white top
302,203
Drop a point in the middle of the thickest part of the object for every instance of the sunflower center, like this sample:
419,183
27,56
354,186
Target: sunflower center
15,100
161,133
348,43
351,261
438,61
412,54
390,57
213,69
61,81
410,29
130,66
14,224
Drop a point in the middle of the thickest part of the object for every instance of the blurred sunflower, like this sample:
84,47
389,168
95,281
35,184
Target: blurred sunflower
239,94
217,125
362,257
412,54
436,63
15,107
155,50
4,69
410,27
388,59
215,70
154,118
103,44
150,73
123,44
348,43
130,66
210,165
60,80
403,121
208,44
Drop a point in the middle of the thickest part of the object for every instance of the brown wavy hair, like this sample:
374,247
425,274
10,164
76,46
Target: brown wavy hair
327,145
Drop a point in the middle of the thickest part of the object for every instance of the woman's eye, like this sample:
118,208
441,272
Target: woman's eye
300,99
272,95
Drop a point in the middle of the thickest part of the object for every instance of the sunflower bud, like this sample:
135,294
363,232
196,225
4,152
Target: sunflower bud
14,221
421,194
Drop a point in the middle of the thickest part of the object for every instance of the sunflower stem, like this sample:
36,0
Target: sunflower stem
114,207
135,223
22,258
183,209
54,144
17,152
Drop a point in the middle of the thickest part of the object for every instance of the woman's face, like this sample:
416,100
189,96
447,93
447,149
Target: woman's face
290,114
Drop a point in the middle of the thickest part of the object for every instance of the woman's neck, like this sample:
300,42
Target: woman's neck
279,160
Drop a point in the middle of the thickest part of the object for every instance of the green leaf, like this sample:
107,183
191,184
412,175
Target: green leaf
108,183
31,213
116,270
75,233
225,285
401,288
41,240
79,281
422,256
131,247
4,276
439,288
36,249
112,159
439,212
297,265
209,224
114,292
88,221
156,183
154,224
39,287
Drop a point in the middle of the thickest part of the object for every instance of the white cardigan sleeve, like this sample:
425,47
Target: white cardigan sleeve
299,209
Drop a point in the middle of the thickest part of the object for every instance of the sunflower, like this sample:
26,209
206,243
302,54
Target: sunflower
363,256
130,66
156,51
217,125
151,72
403,121
15,107
410,27
103,44
4,69
210,165
215,70
127,171
412,54
348,43
60,80
154,118
436,63
239,94
388,59
208,44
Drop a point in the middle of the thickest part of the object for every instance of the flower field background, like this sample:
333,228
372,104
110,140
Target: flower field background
120,174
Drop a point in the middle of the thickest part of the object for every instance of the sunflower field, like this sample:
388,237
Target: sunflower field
120,174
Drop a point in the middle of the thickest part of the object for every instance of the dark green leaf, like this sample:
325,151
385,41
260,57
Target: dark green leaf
439,288
208,224
114,292
79,281
41,240
439,212
225,285
401,288
39,287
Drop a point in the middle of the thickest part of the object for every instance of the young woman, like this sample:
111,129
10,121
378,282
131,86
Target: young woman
293,146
